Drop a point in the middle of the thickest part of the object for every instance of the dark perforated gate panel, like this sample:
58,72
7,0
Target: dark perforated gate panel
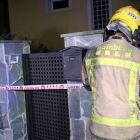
48,115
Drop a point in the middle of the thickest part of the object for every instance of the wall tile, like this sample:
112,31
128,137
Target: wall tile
1,124
78,129
85,95
14,74
78,138
21,138
13,48
5,122
20,62
89,136
26,137
2,58
19,82
74,101
20,95
3,95
26,49
87,109
25,128
3,108
3,74
7,58
17,126
24,117
12,105
6,134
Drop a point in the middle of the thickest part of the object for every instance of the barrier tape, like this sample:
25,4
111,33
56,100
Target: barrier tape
43,87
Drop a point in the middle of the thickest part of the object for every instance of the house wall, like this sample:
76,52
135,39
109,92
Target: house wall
117,4
29,19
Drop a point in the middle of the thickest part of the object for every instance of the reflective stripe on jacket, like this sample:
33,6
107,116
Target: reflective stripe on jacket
112,70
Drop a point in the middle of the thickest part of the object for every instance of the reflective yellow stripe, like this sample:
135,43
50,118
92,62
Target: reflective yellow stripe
113,62
117,53
115,122
107,52
132,85
98,52
93,88
127,54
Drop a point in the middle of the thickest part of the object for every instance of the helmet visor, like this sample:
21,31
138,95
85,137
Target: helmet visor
118,25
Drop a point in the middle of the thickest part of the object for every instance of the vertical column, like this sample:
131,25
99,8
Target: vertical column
80,109
80,100
12,103
6,132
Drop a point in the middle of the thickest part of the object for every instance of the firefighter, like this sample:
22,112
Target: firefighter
112,71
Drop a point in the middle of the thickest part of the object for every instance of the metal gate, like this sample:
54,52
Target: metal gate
47,110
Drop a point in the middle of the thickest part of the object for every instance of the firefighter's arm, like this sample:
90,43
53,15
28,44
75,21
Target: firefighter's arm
85,77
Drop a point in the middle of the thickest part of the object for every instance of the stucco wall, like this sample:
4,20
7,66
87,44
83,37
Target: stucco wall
121,3
28,18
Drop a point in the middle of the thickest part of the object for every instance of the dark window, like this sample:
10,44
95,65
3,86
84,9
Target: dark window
4,18
60,4
101,13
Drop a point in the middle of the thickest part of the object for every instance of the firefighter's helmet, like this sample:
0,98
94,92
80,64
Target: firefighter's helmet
131,19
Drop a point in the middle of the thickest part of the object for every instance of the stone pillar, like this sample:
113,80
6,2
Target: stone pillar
80,100
13,124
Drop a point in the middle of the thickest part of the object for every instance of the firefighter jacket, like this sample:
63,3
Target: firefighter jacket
112,71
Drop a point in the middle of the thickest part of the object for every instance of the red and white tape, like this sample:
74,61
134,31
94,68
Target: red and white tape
43,87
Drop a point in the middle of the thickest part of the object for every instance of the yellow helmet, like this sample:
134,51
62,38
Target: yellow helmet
129,16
